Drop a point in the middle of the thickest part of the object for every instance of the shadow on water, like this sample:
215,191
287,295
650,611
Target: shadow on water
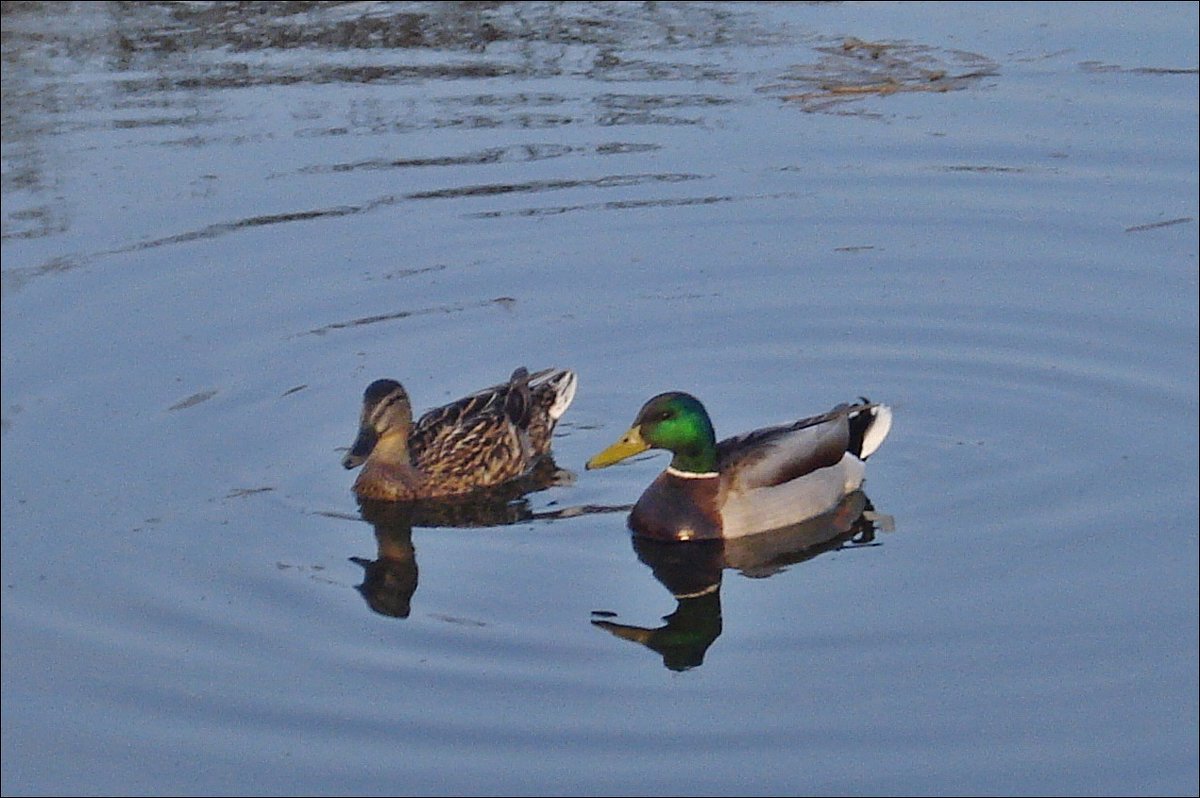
390,579
693,571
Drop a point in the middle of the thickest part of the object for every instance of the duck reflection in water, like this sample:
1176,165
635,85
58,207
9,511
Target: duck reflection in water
692,571
390,579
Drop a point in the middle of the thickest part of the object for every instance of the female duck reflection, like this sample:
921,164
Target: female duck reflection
468,463
692,572
390,580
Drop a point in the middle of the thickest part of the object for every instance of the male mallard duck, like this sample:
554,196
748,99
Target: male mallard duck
762,480
482,440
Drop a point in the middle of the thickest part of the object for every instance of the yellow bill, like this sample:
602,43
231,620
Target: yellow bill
631,443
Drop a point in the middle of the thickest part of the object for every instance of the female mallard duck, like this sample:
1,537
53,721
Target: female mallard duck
762,480
480,441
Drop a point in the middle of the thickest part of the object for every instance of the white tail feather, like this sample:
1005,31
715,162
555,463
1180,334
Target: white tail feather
880,426
564,387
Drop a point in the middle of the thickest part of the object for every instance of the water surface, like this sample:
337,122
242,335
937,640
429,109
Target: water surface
222,221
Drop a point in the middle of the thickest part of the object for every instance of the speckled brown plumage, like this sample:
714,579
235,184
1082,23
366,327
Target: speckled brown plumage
482,440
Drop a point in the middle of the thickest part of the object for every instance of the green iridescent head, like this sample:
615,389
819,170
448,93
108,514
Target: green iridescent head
673,421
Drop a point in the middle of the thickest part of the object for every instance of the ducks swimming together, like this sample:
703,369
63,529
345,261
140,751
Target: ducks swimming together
480,441
754,482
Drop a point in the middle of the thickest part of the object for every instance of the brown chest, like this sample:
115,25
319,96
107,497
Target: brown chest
679,508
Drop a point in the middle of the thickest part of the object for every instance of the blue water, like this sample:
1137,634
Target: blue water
222,221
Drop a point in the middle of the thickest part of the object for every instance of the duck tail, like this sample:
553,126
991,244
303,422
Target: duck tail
562,384
869,425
